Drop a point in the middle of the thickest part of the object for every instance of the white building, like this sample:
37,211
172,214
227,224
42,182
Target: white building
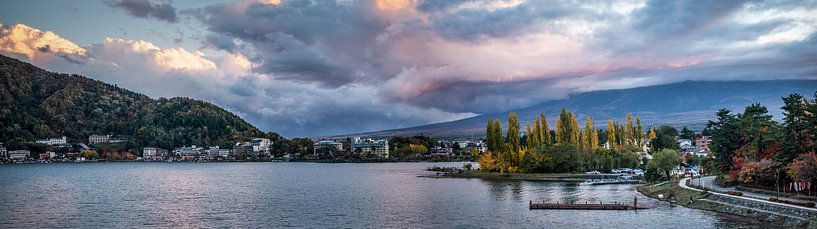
684,142
19,154
188,152
326,144
151,153
261,146
53,141
95,139
216,151
369,146
3,152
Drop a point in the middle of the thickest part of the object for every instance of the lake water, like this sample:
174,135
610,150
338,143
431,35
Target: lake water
251,195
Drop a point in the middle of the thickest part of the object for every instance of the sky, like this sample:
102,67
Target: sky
326,67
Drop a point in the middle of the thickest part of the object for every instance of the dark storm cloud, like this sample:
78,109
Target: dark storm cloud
672,18
502,22
146,9
220,42
320,42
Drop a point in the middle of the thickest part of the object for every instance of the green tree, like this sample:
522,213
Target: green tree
796,127
725,138
665,139
639,131
546,139
513,131
756,128
686,133
611,134
665,160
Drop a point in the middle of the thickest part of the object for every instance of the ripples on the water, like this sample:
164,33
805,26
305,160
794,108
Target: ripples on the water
251,195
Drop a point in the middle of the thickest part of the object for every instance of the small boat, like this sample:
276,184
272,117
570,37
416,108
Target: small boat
606,181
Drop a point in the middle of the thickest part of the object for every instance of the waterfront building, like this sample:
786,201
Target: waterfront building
3,152
18,154
151,153
261,146
244,149
53,141
47,155
370,146
216,151
326,144
188,153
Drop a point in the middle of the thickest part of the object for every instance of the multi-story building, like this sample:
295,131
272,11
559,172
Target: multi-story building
19,154
261,146
188,153
95,139
326,144
53,141
216,151
151,153
702,143
117,139
4,154
369,146
244,149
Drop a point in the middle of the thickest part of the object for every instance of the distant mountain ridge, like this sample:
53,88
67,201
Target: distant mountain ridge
689,103
35,103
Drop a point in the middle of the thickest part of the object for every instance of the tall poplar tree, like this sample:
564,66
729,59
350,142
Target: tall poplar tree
639,131
575,135
500,141
611,134
529,136
588,133
628,130
513,131
545,130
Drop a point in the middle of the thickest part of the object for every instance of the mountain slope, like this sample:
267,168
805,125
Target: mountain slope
35,103
689,103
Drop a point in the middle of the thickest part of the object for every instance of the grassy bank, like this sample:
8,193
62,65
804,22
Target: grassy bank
669,188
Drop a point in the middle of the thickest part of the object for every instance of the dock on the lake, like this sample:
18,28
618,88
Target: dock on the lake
587,206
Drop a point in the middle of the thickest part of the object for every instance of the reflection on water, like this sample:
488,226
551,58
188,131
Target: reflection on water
251,195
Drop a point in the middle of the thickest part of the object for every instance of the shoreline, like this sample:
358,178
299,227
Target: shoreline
548,177
328,161
725,204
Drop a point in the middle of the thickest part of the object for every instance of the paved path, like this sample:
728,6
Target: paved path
709,183
710,180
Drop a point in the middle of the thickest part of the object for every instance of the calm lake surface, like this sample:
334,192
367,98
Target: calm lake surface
251,195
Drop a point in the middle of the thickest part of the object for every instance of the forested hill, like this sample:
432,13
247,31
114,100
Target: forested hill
35,103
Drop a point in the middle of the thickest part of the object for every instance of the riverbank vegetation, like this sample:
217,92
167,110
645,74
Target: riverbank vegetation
752,149
566,148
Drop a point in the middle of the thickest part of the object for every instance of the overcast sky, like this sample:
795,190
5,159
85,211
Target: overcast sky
307,68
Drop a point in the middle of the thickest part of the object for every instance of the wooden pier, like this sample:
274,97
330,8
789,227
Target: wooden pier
587,206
